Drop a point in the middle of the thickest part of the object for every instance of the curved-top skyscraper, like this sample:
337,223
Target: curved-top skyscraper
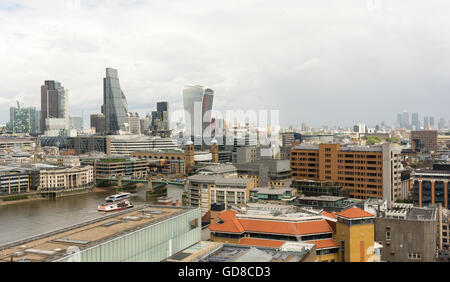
197,102
115,105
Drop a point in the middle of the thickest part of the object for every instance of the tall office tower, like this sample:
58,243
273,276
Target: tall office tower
405,119
431,122
163,112
426,123
197,101
441,124
54,103
399,120
98,122
115,105
23,119
415,123
37,119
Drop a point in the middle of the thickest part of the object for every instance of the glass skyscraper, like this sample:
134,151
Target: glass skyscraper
197,99
23,119
115,106
54,102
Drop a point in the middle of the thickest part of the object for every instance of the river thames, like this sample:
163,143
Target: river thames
25,219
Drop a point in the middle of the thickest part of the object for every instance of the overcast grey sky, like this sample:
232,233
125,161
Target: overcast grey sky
322,62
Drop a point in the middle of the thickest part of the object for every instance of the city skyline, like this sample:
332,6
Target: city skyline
286,57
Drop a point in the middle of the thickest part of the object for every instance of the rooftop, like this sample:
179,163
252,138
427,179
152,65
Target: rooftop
233,223
272,191
220,180
54,245
354,213
322,198
288,252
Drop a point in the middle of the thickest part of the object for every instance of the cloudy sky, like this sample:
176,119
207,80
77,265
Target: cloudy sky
321,62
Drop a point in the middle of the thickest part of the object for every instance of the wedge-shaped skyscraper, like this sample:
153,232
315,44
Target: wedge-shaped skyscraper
115,106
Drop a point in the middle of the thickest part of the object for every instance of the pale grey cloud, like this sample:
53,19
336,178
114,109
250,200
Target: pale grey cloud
323,62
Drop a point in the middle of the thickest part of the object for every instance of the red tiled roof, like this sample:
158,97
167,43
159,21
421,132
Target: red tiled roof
329,214
235,225
282,227
230,224
261,242
354,212
324,243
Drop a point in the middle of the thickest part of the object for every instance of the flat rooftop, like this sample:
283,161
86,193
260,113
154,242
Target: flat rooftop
54,245
322,198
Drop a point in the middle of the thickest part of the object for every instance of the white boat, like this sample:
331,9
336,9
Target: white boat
115,206
117,197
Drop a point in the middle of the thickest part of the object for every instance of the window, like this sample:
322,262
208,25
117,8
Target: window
388,235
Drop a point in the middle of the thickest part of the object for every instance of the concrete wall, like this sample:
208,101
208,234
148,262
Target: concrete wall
407,236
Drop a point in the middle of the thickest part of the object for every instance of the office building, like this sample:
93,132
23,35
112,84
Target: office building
432,123
54,103
407,233
133,123
14,180
424,140
111,168
204,190
65,178
268,172
430,187
279,195
198,102
23,119
405,120
115,105
76,123
127,144
426,123
98,122
366,172
319,188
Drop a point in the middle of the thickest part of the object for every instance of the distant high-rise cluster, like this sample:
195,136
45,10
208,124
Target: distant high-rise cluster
428,122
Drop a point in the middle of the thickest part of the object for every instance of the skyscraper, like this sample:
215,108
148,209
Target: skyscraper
432,123
197,101
162,109
426,123
115,107
54,103
23,119
405,119
415,123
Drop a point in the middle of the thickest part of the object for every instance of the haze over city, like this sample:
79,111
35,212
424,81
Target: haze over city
321,62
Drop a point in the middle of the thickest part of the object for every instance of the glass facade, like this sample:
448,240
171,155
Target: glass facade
23,119
150,244
115,105
197,99
416,192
